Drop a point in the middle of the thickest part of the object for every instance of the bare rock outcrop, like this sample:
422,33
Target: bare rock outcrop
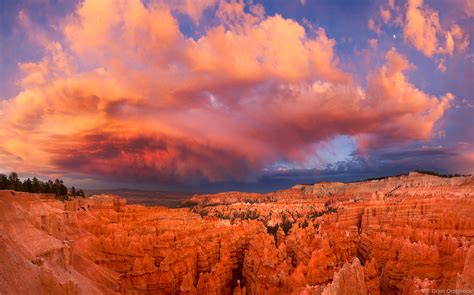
348,281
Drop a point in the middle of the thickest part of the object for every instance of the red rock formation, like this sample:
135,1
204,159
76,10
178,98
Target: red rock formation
398,235
322,264
465,280
348,281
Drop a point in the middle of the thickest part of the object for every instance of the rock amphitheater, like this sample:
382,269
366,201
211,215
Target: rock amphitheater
409,234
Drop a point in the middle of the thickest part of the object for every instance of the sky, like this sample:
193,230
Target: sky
217,95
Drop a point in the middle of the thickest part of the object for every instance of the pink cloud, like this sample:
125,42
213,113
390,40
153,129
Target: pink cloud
373,27
390,90
423,29
385,14
442,65
131,95
422,26
373,43
193,8
468,8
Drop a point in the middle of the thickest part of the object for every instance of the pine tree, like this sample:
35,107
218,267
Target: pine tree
35,185
27,186
13,182
4,183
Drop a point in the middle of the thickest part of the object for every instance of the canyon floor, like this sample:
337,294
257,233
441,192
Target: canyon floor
409,234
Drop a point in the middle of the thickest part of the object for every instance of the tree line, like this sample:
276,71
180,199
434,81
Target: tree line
34,185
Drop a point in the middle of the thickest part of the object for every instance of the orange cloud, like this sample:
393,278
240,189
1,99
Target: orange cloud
373,27
468,8
407,112
385,14
373,43
131,95
424,31
422,26
442,65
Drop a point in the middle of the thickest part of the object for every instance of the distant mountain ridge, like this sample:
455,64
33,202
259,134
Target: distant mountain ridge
170,199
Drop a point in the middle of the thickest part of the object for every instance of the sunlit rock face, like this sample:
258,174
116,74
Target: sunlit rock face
398,235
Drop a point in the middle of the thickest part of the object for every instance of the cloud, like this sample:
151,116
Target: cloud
468,8
422,26
383,162
385,14
405,112
373,43
131,97
391,4
424,31
193,8
373,27
442,65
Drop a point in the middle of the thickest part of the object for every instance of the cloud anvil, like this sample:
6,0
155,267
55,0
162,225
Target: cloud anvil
157,90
